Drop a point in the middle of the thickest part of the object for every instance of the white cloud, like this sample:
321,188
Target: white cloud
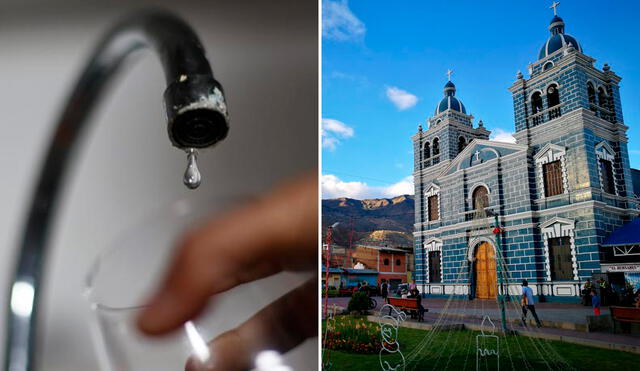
334,187
334,130
400,98
500,135
339,23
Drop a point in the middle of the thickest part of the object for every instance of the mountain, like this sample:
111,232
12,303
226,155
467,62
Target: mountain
380,221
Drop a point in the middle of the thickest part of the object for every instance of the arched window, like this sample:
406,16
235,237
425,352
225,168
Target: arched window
591,93
602,98
397,261
607,181
603,102
536,103
553,100
461,144
435,150
547,66
553,96
426,153
480,198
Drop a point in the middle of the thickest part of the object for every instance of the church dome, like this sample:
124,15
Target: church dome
558,39
450,101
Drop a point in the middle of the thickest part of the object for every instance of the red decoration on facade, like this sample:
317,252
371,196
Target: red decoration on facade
497,230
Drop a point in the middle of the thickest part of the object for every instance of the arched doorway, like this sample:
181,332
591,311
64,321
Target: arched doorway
485,271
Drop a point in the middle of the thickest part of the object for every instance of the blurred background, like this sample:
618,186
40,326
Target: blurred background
265,54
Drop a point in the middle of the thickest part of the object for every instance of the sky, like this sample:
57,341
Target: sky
384,66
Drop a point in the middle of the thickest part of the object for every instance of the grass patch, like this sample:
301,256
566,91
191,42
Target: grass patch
456,350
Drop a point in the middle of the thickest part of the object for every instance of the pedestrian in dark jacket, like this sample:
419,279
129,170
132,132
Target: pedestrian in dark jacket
384,290
415,293
586,293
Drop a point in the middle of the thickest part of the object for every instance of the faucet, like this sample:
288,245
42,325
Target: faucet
197,118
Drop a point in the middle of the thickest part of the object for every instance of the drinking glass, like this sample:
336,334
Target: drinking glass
128,271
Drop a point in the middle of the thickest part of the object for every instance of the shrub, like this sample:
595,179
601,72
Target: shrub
354,335
359,302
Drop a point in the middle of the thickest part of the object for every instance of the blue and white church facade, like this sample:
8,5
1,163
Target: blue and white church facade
559,192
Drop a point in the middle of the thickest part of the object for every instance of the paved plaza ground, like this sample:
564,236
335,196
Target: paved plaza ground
557,312
560,320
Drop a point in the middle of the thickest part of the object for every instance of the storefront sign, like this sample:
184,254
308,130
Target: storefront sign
620,268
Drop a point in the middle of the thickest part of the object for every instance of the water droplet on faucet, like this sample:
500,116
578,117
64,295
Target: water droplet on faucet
192,177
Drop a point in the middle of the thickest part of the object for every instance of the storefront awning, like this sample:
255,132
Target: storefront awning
331,270
360,271
628,234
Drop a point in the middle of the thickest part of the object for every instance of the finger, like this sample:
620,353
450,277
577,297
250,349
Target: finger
276,233
280,326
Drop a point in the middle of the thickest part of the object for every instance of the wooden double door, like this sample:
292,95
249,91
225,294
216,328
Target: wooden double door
486,277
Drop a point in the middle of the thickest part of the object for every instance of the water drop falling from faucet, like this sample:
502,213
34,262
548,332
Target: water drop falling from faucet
192,177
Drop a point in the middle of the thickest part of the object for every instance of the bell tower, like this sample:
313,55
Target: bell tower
449,131
569,107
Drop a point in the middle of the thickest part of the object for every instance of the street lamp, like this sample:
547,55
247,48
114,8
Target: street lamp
327,264
498,232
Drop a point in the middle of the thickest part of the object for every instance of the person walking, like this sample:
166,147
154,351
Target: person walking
384,290
528,304
595,302
420,312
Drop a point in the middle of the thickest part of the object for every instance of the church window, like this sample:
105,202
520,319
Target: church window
560,258
434,267
547,66
604,103
536,103
427,150
553,96
606,159
559,249
591,93
606,176
602,98
552,173
480,198
434,212
432,203
461,144
386,262
436,151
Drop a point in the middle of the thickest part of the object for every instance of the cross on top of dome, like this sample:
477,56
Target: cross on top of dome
450,101
558,39
554,6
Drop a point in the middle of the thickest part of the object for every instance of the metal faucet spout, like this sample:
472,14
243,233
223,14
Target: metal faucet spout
197,118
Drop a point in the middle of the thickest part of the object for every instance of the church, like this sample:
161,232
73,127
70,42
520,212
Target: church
562,195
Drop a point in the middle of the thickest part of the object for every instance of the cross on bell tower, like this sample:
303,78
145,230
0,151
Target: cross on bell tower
554,6
449,73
